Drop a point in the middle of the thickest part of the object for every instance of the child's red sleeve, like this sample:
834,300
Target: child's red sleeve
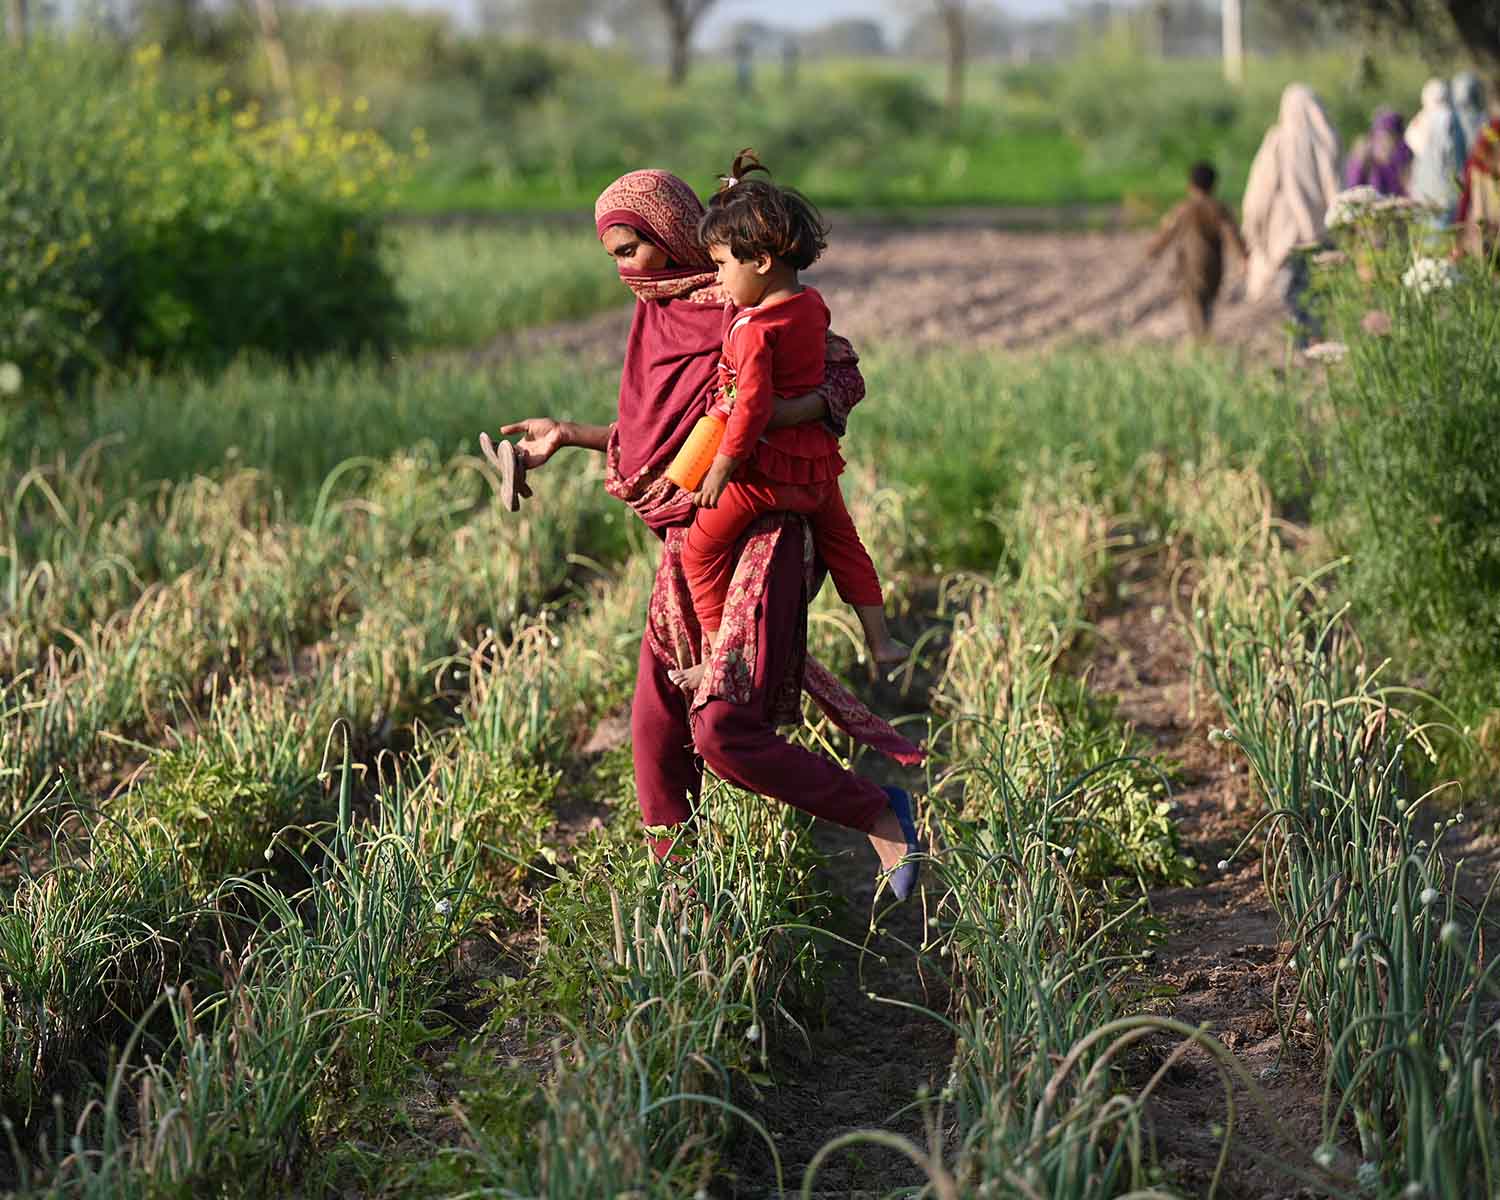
753,397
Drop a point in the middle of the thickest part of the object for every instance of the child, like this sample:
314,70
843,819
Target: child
760,236
1199,226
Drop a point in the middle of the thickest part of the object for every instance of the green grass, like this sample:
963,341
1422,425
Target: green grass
1110,126
463,287
247,557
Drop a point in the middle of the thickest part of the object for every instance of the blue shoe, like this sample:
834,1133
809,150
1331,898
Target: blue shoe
903,876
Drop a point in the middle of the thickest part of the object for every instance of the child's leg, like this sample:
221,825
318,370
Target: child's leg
853,573
708,552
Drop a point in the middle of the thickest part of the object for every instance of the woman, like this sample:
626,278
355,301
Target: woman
647,221
1469,104
1381,159
1292,180
1479,205
1438,151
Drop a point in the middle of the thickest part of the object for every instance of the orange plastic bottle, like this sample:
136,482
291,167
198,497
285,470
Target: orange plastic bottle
697,453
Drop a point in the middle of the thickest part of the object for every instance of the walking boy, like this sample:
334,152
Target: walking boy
1198,228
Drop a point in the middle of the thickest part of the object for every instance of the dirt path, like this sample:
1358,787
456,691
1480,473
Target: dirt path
1218,961
867,1058
973,287
866,1061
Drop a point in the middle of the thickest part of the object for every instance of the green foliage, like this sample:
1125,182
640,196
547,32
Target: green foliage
1153,119
137,231
1411,492
462,287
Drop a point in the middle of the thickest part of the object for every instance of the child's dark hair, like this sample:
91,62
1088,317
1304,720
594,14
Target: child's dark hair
754,217
1203,176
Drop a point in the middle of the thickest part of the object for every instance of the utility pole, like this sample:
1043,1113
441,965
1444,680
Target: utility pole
1234,41
16,14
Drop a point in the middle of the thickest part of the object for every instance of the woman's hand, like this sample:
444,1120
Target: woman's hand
541,438
798,410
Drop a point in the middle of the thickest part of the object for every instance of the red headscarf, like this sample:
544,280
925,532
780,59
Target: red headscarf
673,352
1484,159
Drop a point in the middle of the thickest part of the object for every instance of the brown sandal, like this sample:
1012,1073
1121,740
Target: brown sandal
510,466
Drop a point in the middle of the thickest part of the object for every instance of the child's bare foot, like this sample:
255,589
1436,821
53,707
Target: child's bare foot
890,652
688,677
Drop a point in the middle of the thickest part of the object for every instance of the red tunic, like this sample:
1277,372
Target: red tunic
770,351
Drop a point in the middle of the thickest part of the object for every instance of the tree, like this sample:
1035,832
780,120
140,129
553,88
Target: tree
682,17
547,20
275,47
1473,23
951,13
950,23
16,22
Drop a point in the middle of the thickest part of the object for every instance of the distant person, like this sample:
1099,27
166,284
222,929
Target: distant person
1381,159
1436,139
1292,180
1469,104
1197,229
1479,205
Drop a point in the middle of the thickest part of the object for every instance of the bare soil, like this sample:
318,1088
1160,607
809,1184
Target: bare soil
869,1054
1217,964
974,287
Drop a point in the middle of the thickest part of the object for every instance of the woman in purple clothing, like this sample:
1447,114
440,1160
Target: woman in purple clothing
1381,159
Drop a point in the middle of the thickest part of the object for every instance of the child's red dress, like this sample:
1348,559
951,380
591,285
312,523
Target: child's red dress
776,350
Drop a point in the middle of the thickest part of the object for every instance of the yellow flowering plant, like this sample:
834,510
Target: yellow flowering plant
134,230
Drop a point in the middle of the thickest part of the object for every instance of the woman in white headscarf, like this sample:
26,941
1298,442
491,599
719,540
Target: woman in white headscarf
1469,105
1438,152
1294,176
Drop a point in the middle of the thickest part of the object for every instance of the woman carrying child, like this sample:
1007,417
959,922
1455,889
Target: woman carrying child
753,680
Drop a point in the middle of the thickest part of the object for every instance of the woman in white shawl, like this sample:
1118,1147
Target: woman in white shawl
1294,176
1438,151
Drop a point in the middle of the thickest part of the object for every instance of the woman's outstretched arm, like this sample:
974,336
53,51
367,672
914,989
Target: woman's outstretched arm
542,437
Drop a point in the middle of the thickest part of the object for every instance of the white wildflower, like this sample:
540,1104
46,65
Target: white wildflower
1413,1191
752,1034
1368,1176
1324,1156
1429,896
1428,275
1450,932
10,379
444,907
270,853
1223,864
1329,352
1067,852
1350,205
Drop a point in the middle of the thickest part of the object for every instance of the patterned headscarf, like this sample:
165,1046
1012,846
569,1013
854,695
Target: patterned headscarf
664,210
672,357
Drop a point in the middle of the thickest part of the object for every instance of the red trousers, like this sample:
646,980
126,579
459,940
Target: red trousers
738,741
709,555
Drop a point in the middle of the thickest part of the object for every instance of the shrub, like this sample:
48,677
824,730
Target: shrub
1412,491
133,231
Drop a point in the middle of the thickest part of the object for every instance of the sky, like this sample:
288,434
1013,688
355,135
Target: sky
805,14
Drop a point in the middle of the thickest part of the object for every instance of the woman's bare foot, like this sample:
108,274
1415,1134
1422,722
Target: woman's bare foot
688,677
889,842
890,652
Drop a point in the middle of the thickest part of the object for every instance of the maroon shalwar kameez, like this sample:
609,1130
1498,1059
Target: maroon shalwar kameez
739,741
759,665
